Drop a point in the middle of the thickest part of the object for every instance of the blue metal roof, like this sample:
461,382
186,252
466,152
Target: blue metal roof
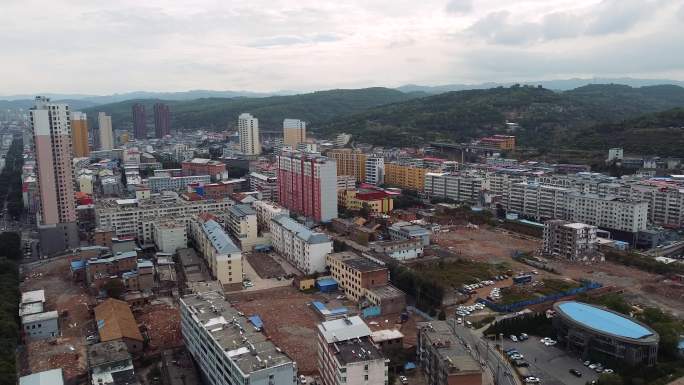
256,321
301,231
242,210
218,237
604,321
326,282
77,264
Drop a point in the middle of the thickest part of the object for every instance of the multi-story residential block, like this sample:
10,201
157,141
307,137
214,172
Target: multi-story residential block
266,211
347,355
405,176
607,212
139,121
349,162
455,186
377,202
405,230
346,182
248,129
51,127
536,201
354,274
342,139
162,120
573,241
199,166
241,222
375,170
106,134
266,184
227,348
294,132
499,142
307,185
305,249
443,358
170,235
79,134
130,217
161,183
224,259
400,250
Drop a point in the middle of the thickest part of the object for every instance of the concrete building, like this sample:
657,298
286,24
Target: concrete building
405,230
349,162
175,183
227,348
267,185
39,326
346,182
499,142
388,298
139,121
615,154
104,124
375,170
457,187
608,212
341,140
111,363
400,250
266,211
79,134
47,377
241,222
377,202
200,166
307,185
294,132
162,120
405,176
347,355
134,218
224,259
248,129
115,322
354,274
51,127
573,241
170,235
443,357
587,329
305,249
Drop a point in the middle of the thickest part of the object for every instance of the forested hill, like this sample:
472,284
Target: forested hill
547,118
222,113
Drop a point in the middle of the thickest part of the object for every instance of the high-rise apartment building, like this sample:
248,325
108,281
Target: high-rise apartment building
139,121
375,170
307,185
248,129
573,241
294,132
162,120
79,133
349,162
51,127
104,123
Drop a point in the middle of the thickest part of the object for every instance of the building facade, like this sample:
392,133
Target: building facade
139,121
79,134
375,170
307,185
573,241
248,130
266,184
104,123
349,162
241,222
162,120
224,259
305,249
443,357
294,132
355,274
405,176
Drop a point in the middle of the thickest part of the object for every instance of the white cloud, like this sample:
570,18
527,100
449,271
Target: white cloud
98,46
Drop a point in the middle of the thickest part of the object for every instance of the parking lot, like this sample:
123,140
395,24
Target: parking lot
551,363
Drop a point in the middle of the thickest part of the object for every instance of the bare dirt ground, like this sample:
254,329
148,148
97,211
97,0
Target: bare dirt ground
162,322
264,265
73,304
484,244
288,319
639,286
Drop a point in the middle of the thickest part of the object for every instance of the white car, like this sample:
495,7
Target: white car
532,380
513,338
403,380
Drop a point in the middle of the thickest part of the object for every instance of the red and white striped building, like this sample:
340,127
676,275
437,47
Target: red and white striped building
307,185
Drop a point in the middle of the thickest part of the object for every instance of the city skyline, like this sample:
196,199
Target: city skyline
250,46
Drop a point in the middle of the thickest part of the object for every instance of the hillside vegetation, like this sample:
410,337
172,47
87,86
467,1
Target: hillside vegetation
547,118
222,113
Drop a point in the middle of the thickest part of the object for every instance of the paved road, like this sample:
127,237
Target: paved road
552,364
484,351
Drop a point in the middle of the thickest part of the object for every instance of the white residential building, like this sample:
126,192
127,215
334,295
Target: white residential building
266,184
227,348
607,211
175,183
375,170
347,355
104,123
265,211
224,259
572,241
40,326
305,249
248,129
170,235
241,222
458,187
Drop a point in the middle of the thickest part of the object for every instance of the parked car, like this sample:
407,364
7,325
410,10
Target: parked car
513,338
608,371
587,363
532,380
523,337
521,363
302,379
575,372
403,379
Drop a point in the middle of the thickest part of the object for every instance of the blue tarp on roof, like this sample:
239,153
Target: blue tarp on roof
256,321
409,366
325,311
326,284
77,265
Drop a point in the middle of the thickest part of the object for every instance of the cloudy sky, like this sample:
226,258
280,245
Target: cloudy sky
105,46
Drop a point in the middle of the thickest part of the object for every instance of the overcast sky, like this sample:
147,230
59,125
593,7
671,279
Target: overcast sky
106,46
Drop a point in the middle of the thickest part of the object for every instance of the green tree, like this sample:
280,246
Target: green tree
365,211
114,288
610,379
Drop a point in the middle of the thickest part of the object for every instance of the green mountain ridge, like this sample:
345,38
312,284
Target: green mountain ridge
222,113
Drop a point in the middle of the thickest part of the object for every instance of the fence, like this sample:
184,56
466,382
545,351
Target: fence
504,308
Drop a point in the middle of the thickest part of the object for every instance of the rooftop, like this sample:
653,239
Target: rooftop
35,317
218,237
301,231
115,321
386,291
107,352
386,335
604,321
33,296
249,349
343,329
356,262
48,377
241,210
188,257
357,350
